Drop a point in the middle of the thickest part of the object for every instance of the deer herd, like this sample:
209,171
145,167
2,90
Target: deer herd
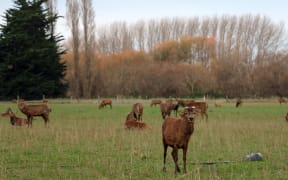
30,110
176,131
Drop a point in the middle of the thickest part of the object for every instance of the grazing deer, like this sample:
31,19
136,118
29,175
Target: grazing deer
238,102
155,102
105,102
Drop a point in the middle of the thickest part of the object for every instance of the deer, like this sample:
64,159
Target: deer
238,102
155,102
132,123
176,133
14,120
137,111
105,102
35,110
165,109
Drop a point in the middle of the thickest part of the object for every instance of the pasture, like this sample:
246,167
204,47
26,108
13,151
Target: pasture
83,142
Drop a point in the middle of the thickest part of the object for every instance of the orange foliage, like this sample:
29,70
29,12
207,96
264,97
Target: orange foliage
134,73
188,49
166,51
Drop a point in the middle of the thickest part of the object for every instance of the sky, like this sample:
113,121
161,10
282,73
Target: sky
108,11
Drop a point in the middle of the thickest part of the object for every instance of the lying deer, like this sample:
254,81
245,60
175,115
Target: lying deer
14,120
132,123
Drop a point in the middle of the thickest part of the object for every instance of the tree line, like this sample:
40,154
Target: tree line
186,57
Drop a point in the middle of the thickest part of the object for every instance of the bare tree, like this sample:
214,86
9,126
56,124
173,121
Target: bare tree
88,20
192,26
102,41
178,26
139,35
126,38
73,16
152,31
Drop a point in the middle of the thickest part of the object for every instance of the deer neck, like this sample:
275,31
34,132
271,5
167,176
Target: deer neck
189,127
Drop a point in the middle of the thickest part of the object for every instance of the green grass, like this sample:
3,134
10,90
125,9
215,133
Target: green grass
83,142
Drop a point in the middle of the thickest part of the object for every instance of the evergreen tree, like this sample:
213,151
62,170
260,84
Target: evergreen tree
30,64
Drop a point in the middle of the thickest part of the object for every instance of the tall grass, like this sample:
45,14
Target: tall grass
83,142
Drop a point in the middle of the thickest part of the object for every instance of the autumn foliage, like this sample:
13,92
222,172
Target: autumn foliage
221,56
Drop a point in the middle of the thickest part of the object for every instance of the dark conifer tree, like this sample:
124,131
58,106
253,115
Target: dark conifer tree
30,63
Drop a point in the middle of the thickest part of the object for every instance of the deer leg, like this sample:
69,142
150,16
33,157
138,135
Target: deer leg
29,121
175,158
184,159
165,154
163,115
46,119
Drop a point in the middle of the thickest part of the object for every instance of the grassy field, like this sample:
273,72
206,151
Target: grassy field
83,142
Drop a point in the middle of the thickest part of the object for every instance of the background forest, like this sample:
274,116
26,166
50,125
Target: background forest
184,57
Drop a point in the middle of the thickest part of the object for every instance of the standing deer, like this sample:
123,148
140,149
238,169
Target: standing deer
35,110
105,102
176,133
238,102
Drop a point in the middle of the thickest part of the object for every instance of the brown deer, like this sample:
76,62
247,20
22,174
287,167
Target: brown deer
201,108
155,102
286,117
105,102
14,120
173,106
282,100
176,133
184,103
132,123
165,109
35,110
137,111
238,102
